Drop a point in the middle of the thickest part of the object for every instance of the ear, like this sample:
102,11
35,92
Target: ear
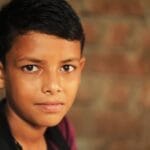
82,63
2,79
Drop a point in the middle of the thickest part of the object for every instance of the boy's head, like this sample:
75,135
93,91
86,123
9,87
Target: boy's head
41,43
53,17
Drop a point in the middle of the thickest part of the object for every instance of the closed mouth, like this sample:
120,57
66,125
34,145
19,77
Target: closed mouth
50,107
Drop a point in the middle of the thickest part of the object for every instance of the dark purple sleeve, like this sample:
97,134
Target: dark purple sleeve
68,132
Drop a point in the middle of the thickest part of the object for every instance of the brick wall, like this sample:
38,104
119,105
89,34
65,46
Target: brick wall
112,109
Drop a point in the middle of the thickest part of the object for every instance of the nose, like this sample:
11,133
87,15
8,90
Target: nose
51,83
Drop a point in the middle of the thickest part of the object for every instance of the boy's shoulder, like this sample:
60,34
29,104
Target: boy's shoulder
6,140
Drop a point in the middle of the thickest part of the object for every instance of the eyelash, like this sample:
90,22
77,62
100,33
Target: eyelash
30,68
67,68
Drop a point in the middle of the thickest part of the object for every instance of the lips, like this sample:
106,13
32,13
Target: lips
50,107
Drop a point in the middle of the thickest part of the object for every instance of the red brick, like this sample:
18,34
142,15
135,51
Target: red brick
145,95
117,63
107,63
146,4
76,5
118,94
117,7
90,32
125,145
116,35
144,61
84,97
117,125
144,38
81,118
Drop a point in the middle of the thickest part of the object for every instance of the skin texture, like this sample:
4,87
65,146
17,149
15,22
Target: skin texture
41,78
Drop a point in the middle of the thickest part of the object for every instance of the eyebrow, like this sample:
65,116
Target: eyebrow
43,61
70,60
29,59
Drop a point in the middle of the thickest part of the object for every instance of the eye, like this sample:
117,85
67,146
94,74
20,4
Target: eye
30,68
68,68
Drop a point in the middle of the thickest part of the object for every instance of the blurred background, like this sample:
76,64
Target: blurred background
112,108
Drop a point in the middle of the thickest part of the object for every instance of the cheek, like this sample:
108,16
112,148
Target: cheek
71,87
19,87
73,80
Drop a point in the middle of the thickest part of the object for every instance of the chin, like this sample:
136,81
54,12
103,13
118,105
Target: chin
50,122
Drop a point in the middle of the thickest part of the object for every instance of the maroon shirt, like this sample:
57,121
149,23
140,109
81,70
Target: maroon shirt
68,133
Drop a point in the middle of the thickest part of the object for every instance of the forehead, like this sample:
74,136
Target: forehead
43,45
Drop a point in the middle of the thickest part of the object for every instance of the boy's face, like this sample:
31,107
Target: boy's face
41,76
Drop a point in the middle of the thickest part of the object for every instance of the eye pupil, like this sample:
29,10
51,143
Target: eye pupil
66,67
29,67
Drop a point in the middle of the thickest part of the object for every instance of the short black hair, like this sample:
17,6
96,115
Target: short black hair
53,17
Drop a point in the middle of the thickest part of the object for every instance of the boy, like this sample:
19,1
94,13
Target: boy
41,43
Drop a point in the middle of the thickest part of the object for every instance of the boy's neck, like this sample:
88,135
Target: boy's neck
24,133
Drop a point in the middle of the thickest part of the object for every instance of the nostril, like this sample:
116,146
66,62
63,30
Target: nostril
58,90
51,90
